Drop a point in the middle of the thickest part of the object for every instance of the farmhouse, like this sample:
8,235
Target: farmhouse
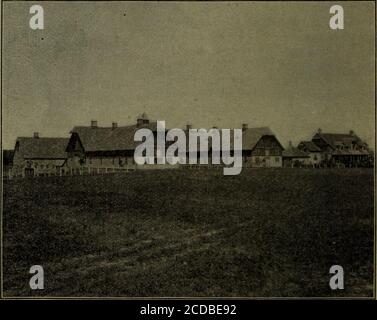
261,148
342,149
103,148
312,150
294,157
35,156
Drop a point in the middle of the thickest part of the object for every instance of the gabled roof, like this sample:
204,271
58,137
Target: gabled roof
108,138
42,148
334,139
143,116
309,146
250,137
293,152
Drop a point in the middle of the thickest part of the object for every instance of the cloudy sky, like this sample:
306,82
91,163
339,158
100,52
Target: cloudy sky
209,64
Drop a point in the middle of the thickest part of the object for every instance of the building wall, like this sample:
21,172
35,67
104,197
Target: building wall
264,161
109,162
296,162
36,167
267,153
315,158
82,161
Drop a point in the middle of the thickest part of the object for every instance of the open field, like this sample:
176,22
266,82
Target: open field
266,232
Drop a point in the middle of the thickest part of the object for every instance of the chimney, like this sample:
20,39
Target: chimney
352,133
93,124
244,126
188,126
36,135
114,125
319,130
290,144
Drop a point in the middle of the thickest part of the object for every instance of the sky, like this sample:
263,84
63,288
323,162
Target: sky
208,64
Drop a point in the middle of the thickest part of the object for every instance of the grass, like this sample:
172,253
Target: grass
266,232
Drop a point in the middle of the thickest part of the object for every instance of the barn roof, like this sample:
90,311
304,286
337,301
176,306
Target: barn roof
42,148
334,139
309,146
293,152
108,138
250,137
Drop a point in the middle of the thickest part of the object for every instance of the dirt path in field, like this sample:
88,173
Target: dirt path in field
147,253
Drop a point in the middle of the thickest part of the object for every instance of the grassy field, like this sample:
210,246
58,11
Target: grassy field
266,232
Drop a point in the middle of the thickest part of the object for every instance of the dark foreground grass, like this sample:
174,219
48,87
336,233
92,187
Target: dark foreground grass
267,232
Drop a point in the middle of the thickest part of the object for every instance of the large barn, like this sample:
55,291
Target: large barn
103,148
35,156
342,149
260,147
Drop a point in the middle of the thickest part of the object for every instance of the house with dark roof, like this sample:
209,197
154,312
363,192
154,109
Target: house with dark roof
36,156
261,148
312,150
294,157
342,149
102,148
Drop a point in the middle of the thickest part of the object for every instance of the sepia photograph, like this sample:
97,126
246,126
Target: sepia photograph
188,149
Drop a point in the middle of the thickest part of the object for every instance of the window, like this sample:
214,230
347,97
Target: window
259,152
277,159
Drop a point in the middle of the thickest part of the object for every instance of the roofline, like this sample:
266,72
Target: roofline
47,158
320,135
289,156
41,138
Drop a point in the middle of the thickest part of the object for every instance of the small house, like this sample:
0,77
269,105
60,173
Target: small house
35,156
